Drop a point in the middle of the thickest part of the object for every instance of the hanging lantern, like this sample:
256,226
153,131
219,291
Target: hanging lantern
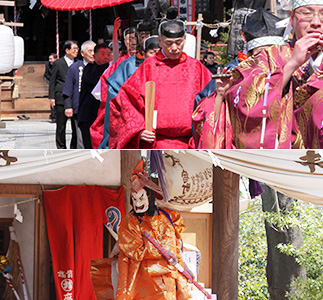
19,52
7,49
190,45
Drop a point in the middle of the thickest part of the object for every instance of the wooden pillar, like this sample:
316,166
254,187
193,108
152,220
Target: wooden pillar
273,7
70,26
2,124
43,252
199,39
225,234
129,159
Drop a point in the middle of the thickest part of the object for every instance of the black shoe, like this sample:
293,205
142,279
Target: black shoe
23,117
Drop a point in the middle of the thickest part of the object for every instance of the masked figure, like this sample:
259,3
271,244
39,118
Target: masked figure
143,272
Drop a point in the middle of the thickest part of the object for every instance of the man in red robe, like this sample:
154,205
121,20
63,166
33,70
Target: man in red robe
96,130
178,79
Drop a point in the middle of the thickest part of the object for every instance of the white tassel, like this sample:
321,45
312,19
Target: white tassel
283,23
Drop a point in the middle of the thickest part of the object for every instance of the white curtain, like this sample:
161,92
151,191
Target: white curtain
297,173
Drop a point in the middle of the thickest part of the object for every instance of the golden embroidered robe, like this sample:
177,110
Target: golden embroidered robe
143,272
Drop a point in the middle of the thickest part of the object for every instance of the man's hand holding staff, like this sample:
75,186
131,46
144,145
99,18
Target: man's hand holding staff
148,135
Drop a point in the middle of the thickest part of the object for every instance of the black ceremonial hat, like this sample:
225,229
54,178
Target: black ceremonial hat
151,43
145,26
261,23
260,29
172,29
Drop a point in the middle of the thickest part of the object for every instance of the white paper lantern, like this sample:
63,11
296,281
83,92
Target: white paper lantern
19,52
190,45
7,49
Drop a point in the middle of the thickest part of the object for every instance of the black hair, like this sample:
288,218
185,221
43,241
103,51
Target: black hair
53,54
68,45
100,46
208,53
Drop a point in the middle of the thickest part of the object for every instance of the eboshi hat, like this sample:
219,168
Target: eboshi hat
139,180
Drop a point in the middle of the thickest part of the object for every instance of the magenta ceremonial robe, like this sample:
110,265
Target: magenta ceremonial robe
177,83
308,105
250,107
208,132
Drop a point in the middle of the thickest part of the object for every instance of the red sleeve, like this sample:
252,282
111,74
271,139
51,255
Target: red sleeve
127,113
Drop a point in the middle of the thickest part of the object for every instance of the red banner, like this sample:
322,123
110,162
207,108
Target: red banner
75,217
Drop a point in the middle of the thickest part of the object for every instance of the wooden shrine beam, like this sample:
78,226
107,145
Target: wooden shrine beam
225,235
129,160
7,3
199,38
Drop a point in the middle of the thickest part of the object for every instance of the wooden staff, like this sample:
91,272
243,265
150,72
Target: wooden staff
150,88
163,252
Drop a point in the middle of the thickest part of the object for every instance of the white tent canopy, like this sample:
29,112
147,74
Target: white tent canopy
297,173
62,167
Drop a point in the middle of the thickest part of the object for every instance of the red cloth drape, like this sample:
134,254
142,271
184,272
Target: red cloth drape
75,217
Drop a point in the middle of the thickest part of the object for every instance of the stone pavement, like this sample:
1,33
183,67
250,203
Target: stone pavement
31,134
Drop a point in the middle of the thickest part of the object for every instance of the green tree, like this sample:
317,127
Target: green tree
252,253
253,250
309,219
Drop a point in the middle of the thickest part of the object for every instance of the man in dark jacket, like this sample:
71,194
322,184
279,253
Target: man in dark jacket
48,72
56,85
72,88
209,62
88,105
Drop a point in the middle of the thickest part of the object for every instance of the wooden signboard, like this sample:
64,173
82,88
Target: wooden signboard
33,85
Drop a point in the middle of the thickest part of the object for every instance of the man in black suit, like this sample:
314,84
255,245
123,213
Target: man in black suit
48,72
56,85
49,66
88,105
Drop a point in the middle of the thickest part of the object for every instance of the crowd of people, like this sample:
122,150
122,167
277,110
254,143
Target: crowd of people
269,96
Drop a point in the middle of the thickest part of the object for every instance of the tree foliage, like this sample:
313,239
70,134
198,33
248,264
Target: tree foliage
310,219
252,254
253,250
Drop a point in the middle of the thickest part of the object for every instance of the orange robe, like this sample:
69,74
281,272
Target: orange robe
143,272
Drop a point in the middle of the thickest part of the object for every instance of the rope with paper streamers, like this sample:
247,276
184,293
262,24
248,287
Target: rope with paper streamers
215,27
177,266
20,202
